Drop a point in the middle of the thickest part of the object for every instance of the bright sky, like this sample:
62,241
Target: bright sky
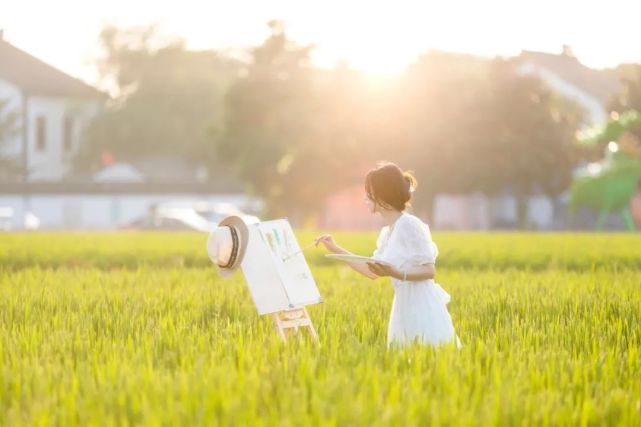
377,36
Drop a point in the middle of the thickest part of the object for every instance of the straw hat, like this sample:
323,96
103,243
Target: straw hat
227,244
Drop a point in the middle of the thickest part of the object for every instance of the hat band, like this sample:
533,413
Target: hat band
234,249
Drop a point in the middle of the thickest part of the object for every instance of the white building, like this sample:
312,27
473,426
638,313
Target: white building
591,89
53,110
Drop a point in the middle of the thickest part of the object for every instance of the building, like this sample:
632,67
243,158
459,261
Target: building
591,89
52,108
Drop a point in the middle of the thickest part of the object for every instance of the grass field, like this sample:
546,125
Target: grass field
137,329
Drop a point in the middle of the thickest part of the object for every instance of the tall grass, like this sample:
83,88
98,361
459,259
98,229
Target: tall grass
137,329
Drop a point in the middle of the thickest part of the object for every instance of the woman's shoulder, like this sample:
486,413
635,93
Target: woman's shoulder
383,233
413,235
413,221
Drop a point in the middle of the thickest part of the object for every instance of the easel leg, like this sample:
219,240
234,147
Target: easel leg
281,332
289,321
312,330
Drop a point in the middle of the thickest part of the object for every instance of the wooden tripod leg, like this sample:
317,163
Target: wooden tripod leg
279,327
312,330
290,321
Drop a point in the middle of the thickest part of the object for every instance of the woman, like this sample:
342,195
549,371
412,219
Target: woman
419,312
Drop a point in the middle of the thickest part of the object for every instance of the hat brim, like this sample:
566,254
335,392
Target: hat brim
243,237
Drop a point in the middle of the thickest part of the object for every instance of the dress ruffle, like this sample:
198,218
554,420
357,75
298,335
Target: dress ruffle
408,244
419,311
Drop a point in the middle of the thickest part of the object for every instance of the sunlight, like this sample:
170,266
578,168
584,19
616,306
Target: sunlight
377,63
377,37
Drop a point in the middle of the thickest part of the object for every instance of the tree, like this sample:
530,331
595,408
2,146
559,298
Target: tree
284,131
532,136
441,105
629,97
477,125
165,99
627,101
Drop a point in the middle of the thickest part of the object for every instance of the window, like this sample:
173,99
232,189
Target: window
41,133
67,137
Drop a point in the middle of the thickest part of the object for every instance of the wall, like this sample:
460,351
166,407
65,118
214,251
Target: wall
54,162
596,112
97,212
478,212
8,92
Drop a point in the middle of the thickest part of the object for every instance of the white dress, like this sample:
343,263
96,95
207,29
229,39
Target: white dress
419,311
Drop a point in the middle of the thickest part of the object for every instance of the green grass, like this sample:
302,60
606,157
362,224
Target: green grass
137,329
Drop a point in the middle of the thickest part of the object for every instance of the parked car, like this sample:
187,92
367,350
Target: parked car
216,212
171,219
185,216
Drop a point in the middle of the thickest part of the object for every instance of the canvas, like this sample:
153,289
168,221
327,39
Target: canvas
275,269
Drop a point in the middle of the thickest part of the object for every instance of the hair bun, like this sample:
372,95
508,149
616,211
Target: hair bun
389,186
411,180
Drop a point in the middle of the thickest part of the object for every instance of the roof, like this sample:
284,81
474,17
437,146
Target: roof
39,78
119,172
603,84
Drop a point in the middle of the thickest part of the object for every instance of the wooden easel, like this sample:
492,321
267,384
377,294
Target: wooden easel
288,321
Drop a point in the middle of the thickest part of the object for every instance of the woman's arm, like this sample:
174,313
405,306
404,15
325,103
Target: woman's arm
361,268
331,246
414,274
412,239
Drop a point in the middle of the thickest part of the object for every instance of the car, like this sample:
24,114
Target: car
216,212
169,218
186,216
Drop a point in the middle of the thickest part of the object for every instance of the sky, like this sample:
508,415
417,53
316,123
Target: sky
375,36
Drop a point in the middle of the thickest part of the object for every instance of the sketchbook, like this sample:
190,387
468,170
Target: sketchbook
357,259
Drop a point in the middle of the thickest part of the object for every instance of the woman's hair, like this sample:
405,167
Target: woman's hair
390,187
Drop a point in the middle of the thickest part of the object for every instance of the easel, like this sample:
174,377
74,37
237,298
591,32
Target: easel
288,321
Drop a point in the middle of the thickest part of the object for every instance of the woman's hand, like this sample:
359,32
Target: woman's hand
416,274
331,246
328,241
383,270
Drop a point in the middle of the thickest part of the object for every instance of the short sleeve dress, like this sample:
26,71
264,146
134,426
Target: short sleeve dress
419,311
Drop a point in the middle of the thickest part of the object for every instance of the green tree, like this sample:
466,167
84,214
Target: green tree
531,143
629,97
478,125
165,99
440,110
285,132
